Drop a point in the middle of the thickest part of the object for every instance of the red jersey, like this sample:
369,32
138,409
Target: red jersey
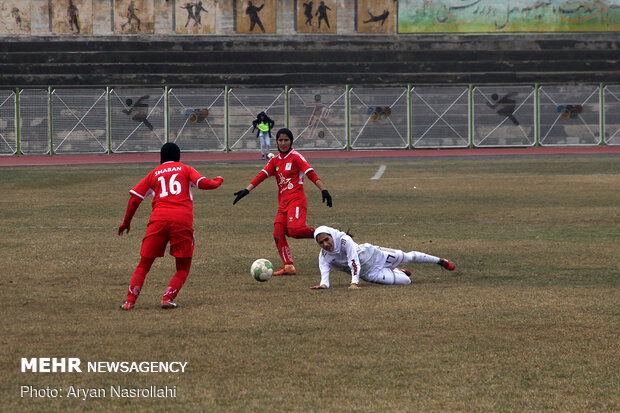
289,171
171,186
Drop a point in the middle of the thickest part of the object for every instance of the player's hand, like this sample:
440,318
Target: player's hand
123,228
327,197
319,287
354,287
218,179
240,194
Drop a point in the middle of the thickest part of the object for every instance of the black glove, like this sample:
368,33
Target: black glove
240,194
327,197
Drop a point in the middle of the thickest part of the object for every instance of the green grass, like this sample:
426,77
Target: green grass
529,321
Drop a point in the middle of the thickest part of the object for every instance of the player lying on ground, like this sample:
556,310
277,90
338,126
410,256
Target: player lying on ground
367,262
289,168
172,220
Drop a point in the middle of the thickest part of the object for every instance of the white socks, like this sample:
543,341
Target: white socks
419,258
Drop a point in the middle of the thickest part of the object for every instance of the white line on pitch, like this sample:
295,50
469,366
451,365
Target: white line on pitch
379,173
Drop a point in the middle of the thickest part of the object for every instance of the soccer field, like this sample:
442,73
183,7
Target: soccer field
528,321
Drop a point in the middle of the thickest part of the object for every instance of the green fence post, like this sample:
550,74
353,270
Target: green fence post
108,117
50,121
537,114
287,112
470,116
602,113
18,122
226,131
167,113
409,117
348,115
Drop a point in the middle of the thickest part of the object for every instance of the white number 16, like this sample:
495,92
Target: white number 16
175,186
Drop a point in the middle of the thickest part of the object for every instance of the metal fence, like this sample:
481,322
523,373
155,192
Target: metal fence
79,121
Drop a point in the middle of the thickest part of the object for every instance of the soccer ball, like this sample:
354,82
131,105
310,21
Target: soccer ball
261,269
270,155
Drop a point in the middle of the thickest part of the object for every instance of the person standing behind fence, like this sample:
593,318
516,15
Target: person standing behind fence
264,124
171,221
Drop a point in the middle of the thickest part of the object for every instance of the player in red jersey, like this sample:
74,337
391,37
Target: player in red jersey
289,168
171,221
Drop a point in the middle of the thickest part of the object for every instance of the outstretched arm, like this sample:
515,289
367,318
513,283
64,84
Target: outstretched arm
262,175
132,206
205,183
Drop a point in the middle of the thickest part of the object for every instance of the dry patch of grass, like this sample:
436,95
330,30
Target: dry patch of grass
528,321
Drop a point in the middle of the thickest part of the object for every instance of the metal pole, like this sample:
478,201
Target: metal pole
50,120
226,131
348,115
18,122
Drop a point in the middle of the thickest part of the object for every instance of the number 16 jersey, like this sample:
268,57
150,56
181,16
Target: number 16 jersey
171,186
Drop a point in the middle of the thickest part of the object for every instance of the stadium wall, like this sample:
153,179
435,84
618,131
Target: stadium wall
124,43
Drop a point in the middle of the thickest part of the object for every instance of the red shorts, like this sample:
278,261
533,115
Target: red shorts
158,233
293,216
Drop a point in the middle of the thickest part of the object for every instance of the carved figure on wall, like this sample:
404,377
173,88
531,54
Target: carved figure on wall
317,16
73,14
252,11
18,18
308,13
380,18
190,13
376,16
131,15
321,11
197,10
198,17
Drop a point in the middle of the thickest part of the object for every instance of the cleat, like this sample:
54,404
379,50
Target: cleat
288,269
127,306
406,271
169,304
447,264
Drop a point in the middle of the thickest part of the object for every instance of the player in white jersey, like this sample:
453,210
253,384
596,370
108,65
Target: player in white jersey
366,261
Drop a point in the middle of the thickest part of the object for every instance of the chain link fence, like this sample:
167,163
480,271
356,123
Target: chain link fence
440,117
122,120
79,121
611,113
504,116
317,118
8,129
197,118
569,115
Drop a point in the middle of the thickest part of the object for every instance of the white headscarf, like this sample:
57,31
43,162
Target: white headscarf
334,233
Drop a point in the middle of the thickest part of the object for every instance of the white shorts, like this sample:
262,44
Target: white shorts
378,265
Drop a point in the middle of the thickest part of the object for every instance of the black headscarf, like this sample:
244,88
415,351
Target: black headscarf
170,152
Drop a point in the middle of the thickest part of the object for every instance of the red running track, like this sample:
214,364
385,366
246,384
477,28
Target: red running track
232,157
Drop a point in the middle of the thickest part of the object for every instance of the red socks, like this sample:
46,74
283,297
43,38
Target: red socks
279,236
176,283
137,279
